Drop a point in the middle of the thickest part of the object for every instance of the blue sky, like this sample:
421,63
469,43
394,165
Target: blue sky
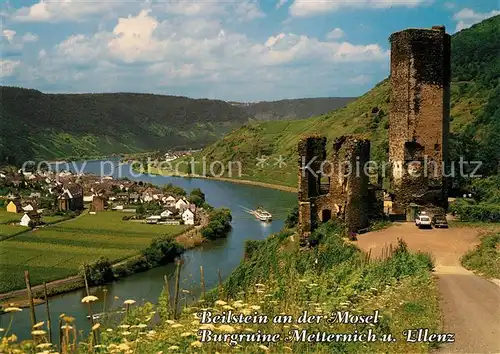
245,50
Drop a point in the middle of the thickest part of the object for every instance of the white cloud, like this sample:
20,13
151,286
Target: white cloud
66,10
29,37
305,8
12,43
141,39
281,3
80,49
241,10
468,17
9,67
248,10
9,35
134,38
450,5
337,33
191,8
271,41
143,52
81,10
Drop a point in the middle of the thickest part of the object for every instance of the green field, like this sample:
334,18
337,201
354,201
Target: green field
9,230
6,216
58,251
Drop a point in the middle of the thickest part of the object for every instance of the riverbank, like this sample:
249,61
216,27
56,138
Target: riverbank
189,239
87,158
218,258
157,172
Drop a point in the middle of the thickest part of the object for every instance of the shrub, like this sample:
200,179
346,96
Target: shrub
171,189
162,251
140,209
250,247
134,265
293,217
197,192
196,200
219,224
487,189
98,272
468,211
32,224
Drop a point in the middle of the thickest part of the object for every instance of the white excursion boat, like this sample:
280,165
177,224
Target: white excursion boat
263,215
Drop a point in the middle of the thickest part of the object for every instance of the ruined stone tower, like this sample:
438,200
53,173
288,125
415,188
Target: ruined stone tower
419,117
337,187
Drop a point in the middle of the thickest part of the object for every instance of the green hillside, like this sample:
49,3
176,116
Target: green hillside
63,125
294,109
475,116
82,125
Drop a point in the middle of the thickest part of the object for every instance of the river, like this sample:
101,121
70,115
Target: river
223,255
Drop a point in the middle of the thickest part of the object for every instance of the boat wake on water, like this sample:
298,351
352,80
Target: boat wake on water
260,213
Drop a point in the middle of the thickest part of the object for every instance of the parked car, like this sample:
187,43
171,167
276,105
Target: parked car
439,221
422,221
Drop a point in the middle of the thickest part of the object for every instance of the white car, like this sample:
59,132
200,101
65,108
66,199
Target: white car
423,221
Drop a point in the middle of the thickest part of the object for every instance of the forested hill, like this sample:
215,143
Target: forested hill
475,116
38,125
294,108
62,125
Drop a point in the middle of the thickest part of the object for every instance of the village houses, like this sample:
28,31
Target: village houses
71,199
169,201
72,192
181,204
14,206
29,217
188,217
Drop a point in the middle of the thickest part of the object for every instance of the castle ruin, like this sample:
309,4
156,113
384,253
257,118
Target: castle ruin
337,187
419,118
418,143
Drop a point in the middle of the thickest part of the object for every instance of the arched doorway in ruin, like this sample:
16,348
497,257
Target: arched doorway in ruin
326,214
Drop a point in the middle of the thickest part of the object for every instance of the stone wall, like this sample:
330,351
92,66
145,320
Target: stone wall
346,195
312,153
419,116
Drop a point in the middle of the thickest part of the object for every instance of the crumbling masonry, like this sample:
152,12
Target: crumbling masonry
337,187
419,118
418,139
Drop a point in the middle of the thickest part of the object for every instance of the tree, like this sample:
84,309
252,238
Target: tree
98,272
199,193
175,190
219,224
162,250
140,209
293,218
196,200
46,203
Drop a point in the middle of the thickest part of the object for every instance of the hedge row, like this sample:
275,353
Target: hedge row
476,212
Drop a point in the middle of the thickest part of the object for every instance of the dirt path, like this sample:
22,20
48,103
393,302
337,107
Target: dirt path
470,304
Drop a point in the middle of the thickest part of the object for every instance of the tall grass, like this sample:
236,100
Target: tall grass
280,278
485,258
